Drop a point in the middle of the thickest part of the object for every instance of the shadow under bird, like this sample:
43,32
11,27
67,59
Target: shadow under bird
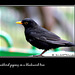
42,38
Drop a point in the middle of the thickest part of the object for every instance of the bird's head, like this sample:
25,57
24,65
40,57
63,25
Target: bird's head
27,22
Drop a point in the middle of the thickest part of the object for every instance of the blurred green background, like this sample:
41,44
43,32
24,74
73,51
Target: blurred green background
58,19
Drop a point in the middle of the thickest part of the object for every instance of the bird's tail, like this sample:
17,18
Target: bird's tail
65,43
69,44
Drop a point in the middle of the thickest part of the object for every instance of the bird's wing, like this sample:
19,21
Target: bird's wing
46,34
47,37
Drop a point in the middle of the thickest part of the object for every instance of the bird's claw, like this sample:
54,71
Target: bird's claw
37,56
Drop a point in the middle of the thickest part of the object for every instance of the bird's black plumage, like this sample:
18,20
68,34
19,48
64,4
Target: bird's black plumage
42,38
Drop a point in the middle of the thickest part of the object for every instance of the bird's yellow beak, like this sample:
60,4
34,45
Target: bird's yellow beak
18,22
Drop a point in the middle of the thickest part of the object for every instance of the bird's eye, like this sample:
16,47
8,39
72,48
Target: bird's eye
25,23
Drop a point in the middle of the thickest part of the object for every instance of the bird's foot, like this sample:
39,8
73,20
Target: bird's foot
37,56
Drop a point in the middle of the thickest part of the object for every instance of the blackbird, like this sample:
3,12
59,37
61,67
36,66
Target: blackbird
42,38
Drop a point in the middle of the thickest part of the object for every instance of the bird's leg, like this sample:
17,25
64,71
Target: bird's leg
41,53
